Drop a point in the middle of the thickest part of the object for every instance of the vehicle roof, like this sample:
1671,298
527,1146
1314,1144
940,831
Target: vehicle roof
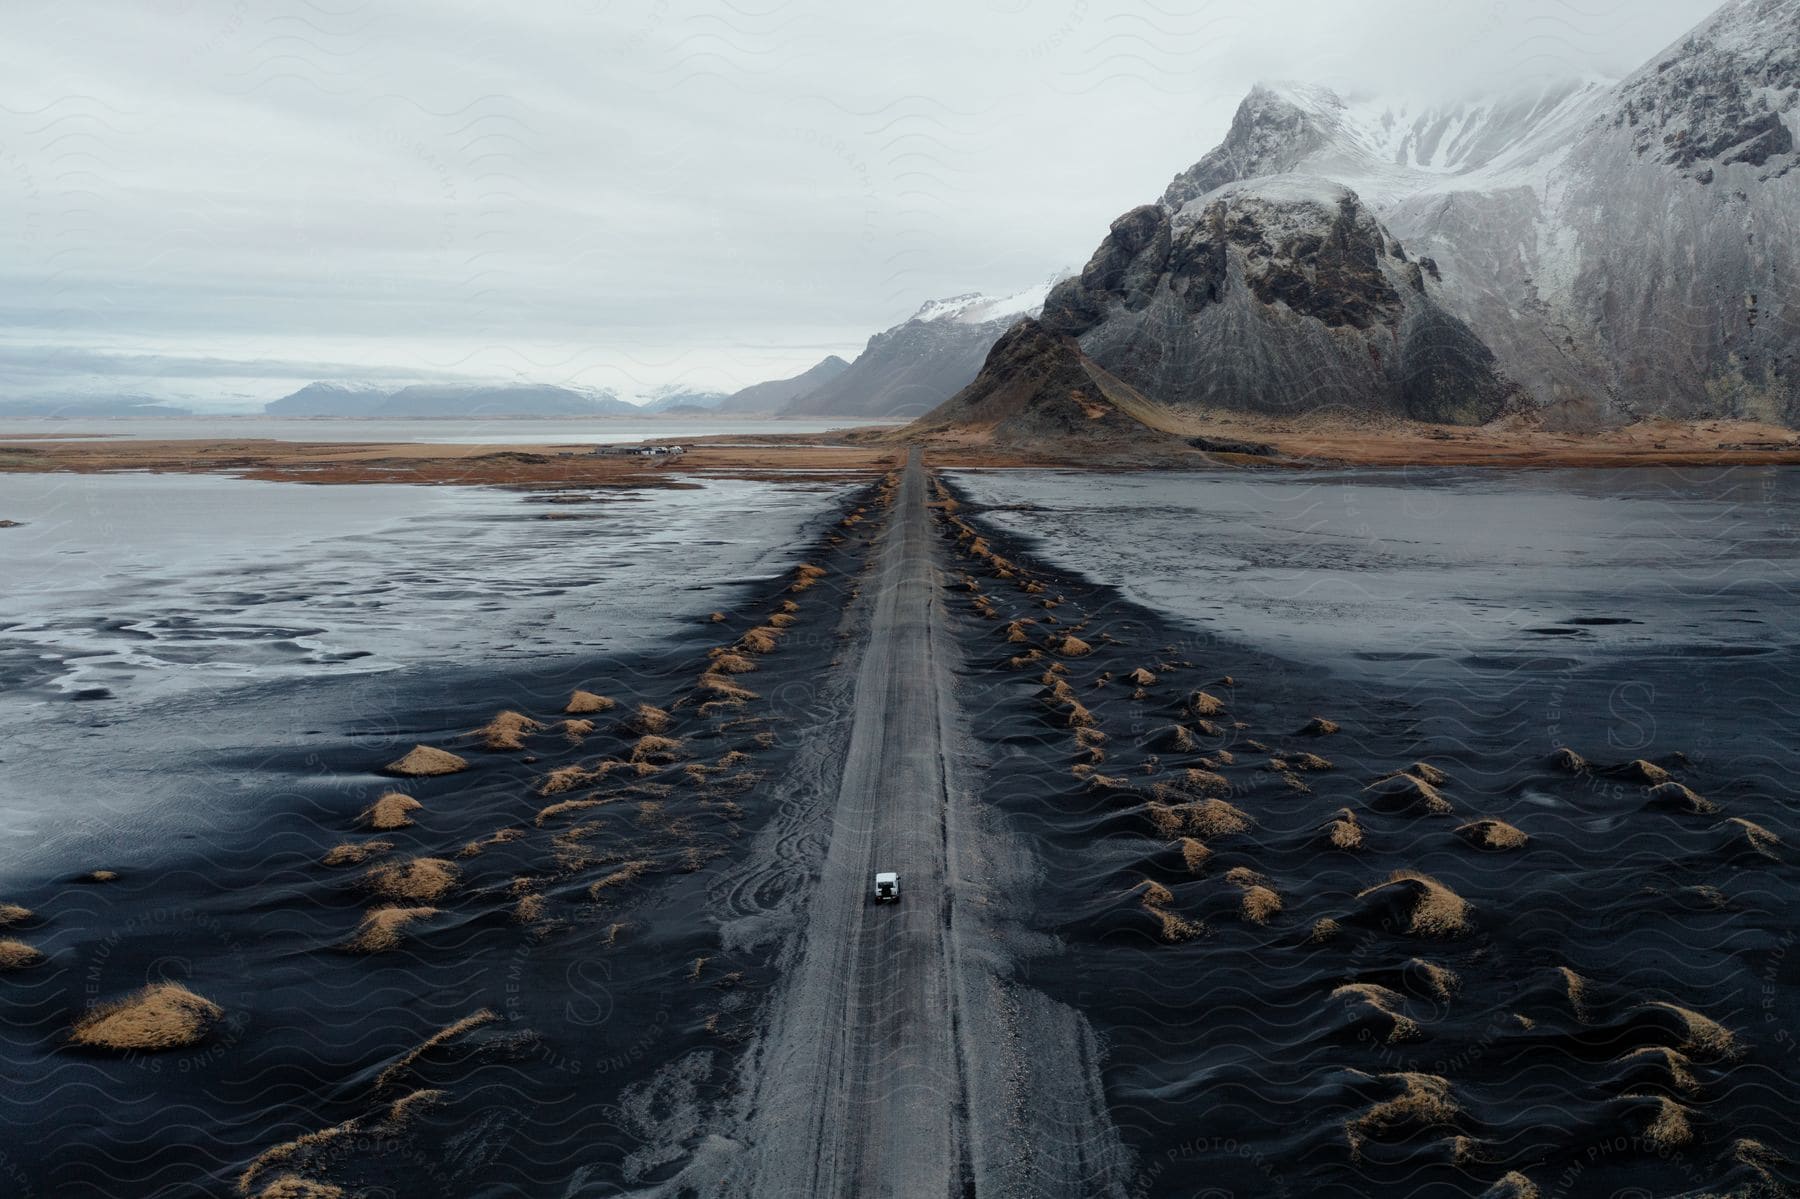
887,876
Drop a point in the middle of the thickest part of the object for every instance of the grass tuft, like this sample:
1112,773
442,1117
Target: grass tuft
161,1016
507,730
1437,910
355,853
17,955
382,928
1493,834
418,880
389,812
583,703
423,761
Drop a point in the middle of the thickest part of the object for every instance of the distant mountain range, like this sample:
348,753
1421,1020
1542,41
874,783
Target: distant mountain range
904,371
1591,252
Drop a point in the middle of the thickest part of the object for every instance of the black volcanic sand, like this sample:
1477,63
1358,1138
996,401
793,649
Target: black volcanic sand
580,1047
576,991
1616,1014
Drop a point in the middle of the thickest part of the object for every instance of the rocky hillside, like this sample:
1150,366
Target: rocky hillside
1280,294
1037,389
913,367
1607,250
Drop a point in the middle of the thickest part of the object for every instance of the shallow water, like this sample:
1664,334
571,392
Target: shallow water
1385,573
145,617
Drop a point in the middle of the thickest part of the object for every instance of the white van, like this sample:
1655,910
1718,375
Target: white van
887,887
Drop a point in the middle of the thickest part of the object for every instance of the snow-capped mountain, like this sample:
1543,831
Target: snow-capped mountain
1620,249
921,362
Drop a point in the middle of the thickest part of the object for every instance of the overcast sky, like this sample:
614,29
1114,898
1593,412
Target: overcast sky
216,198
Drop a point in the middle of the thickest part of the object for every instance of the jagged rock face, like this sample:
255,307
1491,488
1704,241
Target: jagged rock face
1718,98
1270,135
1621,250
1283,294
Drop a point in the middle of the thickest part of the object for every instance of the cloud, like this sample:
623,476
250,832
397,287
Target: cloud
626,194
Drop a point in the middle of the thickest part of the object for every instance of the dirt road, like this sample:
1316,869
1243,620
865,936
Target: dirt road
898,1057
863,1089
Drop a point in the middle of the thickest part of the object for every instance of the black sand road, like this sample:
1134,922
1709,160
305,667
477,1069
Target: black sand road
893,1061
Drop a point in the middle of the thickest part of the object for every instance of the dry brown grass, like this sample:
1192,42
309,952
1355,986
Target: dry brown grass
1205,782
1260,904
418,880
1441,981
1017,633
1167,820
1194,853
499,836
1704,1036
161,1016
1676,1065
389,812
575,730
293,1186
423,761
17,955
653,750
1671,1128
1319,726
805,575
1513,1185
1323,930
382,929
402,1110
1437,910
1576,988
647,718
1425,1101
730,663
1141,678
1493,834
782,620
1759,838
529,909
564,807
1680,798
1203,705
507,730
1216,818
279,1155
1345,832
12,913
1154,894
564,778
760,640
355,853
1071,646
723,688
1413,793
628,873
1387,1003
436,1040
1175,928
583,703
1307,762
